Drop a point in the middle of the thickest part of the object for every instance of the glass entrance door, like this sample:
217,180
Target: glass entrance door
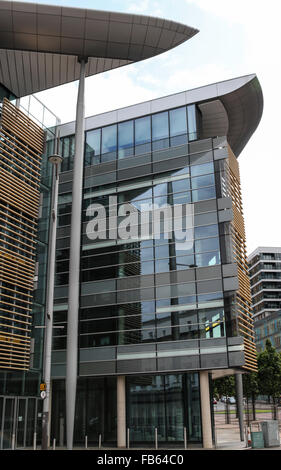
21,422
8,423
20,419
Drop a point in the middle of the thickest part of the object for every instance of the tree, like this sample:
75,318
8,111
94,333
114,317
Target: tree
250,390
225,386
269,373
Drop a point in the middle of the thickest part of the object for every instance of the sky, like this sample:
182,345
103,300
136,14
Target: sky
236,38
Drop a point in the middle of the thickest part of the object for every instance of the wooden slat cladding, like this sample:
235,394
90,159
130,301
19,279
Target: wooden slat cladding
21,148
243,296
16,122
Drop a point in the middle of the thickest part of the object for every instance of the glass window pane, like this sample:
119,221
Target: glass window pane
208,259
143,135
160,130
142,130
109,143
181,185
204,193
192,125
92,148
201,181
125,139
206,231
182,198
160,194
68,148
178,126
207,244
204,169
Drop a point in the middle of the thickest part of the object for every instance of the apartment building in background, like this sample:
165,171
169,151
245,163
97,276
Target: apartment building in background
265,276
143,324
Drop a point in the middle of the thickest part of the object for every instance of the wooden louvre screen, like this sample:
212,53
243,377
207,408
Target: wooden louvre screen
243,296
21,148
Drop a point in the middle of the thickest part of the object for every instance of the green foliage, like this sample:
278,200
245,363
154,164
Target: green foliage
267,381
250,384
269,371
225,386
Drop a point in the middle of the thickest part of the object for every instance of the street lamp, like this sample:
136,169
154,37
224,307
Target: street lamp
56,161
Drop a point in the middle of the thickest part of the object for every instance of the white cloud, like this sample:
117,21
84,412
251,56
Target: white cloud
114,90
139,7
240,11
150,7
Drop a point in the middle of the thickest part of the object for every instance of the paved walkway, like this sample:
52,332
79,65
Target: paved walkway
228,438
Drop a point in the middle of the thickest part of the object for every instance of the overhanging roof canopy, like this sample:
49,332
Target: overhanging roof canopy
39,44
232,108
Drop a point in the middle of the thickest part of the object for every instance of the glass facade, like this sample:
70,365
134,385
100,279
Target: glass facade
142,292
147,311
169,403
138,136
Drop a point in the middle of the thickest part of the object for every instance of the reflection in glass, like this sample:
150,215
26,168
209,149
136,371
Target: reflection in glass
208,259
201,181
67,150
178,126
207,244
192,124
125,139
203,194
204,169
160,131
206,231
96,410
143,135
92,147
166,402
109,143
211,323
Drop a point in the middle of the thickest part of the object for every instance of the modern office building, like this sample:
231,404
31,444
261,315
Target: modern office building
156,316
265,276
148,314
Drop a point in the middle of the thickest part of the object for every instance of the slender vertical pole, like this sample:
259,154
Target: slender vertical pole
74,262
49,309
205,410
239,401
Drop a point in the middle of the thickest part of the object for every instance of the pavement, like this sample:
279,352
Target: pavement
228,437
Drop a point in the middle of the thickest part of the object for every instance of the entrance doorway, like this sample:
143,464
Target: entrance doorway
20,422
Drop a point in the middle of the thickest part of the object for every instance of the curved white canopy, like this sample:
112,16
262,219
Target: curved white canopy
39,44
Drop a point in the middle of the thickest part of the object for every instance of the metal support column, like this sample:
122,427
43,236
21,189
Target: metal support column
74,261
